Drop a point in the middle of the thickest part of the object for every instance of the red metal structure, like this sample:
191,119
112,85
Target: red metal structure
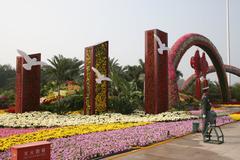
27,86
156,73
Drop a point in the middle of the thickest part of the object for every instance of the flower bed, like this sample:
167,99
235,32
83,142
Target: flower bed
48,119
235,116
99,144
5,132
41,135
229,105
2,111
219,112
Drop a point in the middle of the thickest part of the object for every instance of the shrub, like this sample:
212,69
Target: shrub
188,104
235,91
3,101
121,105
48,107
7,98
66,104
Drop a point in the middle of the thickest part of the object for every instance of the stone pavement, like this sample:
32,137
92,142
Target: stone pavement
190,147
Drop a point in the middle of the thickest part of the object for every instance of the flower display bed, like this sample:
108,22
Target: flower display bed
41,135
99,144
48,119
235,116
221,112
5,132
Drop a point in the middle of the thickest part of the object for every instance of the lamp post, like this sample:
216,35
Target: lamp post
228,39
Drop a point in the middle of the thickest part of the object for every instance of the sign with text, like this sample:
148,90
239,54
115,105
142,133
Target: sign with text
31,151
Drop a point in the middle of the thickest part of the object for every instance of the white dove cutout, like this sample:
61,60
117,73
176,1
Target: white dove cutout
162,46
100,77
30,61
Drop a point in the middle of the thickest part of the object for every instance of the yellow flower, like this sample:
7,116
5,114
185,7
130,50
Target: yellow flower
2,111
235,117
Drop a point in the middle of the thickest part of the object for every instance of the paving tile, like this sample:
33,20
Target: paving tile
191,147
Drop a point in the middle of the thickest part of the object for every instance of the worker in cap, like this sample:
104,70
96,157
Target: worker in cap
206,108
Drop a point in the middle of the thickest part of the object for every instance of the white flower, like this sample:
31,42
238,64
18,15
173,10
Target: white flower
48,119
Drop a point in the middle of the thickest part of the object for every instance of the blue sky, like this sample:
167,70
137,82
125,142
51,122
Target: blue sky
68,26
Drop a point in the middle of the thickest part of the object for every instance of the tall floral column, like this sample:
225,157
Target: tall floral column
27,86
95,95
156,73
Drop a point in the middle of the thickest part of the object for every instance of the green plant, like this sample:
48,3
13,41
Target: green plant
8,76
74,102
49,107
235,92
63,69
10,97
126,88
66,104
214,92
3,100
120,105
188,104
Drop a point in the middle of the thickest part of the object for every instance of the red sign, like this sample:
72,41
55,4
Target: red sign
31,151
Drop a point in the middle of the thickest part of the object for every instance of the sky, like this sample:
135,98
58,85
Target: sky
66,27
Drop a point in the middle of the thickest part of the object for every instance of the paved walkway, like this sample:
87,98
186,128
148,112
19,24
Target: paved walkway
190,147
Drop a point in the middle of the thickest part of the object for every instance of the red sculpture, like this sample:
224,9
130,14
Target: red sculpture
204,69
196,65
200,66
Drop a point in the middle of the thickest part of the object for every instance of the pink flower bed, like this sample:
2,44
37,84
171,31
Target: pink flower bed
5,132
100,144
198,112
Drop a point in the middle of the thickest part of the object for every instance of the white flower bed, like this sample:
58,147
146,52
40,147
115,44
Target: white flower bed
48,119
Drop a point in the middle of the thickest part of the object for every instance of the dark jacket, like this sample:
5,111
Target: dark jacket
205,104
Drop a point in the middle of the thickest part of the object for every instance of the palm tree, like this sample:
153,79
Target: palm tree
136,73
141,65
117,76
62,69
124,85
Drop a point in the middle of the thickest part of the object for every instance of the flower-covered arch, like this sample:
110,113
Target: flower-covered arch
228,68
175,56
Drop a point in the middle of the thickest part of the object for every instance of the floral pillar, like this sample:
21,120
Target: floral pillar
27,86
95,95
156,73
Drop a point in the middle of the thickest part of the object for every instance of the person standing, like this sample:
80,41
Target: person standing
206,108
